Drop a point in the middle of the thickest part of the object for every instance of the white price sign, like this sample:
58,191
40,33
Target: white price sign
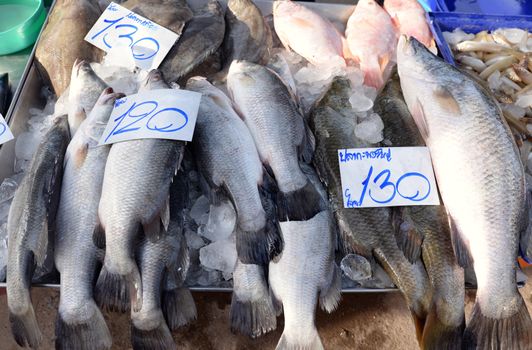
5,132
387,177
119,28
154,114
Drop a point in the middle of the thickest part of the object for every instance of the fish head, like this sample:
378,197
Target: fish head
108,97
284,8
154,80
244,75
198,84
82,70
104,106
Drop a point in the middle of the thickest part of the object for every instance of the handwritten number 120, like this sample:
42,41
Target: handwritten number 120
128,35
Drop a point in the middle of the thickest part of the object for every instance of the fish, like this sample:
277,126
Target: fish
372,39
31,219
79,320
307,33
163,267
281,136
201,37
305,273
171,14
482,184
68,23
83,92
126,206
5,93
248,36
230,165
429,225
368,232
409,19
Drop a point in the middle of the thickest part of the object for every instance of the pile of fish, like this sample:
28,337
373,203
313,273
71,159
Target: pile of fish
126,224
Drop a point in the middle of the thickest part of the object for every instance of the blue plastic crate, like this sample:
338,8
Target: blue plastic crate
497,7
470,23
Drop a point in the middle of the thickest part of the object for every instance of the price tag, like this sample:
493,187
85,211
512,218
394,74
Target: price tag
5,133
145,40
387,177
154,114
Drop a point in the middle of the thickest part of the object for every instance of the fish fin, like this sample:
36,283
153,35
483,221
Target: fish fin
90,333
165,214
346,52
113,291
312,342
419,324
25,328
157,338
408,238
372,73
259,247
444,98
433,48
178,269
331,293
41,247
98,236
178,307
308,145
460,247
252,317
80,155
438,335
383,62
299,205
419,117
514,332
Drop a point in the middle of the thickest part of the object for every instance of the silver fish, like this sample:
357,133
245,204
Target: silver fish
229,162
202,36
31,218
80,324
83,92
365,231
125,206
281,137
427,226
163,264
482,184
247,37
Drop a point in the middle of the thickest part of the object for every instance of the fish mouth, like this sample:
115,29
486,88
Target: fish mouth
153,76
81,65
108,96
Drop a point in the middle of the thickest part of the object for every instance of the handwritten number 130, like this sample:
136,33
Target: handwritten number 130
128,35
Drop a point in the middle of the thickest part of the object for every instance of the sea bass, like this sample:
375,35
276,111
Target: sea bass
429,226
247,36
62,41
125,206
307,33
372,39
281,136
365,231
83,92
31,218
229,162
482,184
163,264
409,18
80,324
201,37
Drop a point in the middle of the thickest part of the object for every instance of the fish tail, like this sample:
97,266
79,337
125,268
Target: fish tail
178,307
153,338
513,332
372,73
113,290
259,247
299,205
252,317
25,328
308,343
437,335
89,334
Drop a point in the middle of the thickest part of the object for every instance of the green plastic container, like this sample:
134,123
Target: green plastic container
20,24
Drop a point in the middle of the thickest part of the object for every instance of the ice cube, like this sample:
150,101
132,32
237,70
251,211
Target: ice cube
355,76
221,222
356,267
370,129
194,241
26,145
200,210
360,103
7,189
220,255
209,278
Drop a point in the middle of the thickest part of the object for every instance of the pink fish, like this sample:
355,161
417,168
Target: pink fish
372,39
307,33
409,18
